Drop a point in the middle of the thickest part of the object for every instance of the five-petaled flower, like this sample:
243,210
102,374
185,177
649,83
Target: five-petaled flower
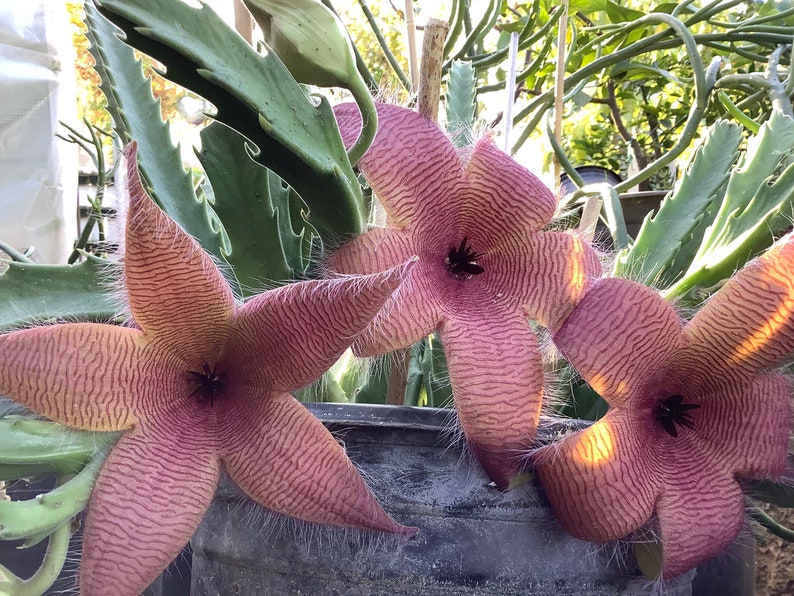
474,219
202,384
694,407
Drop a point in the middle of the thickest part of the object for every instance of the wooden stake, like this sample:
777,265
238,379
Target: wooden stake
430,76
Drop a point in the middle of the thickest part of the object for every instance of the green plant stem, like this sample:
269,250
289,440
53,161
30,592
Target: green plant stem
777,90
485,24
771,524
384,45
46,574
455,25
740,116
369,117
14,254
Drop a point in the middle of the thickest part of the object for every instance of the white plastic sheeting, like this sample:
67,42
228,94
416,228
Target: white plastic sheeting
38,172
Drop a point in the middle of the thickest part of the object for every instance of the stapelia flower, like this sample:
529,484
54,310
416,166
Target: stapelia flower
474,220
202,385
694,407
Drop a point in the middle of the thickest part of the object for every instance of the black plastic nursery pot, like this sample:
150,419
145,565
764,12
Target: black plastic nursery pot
473,539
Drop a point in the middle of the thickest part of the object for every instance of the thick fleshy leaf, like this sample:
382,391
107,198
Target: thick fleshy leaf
285,459
497,383
151,494
700,511
84,375
409,161
158,284
621,338
749,324
546,274
745,426
287,337
514,198
597,479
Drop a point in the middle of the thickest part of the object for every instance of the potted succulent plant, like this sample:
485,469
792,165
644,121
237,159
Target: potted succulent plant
469,275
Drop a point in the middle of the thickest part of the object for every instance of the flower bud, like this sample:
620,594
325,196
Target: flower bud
309,39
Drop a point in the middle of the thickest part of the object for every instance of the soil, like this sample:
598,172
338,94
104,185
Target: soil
774,558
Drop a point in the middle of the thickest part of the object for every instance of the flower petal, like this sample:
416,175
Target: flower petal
745,427
700,513
176,291
288,337
513,197
497,382
546,273
285,459
597,479
621,338
749,324
84,375
410,160
372,252
151,494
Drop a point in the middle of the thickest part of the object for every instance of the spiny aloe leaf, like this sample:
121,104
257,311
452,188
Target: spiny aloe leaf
34,293
254,207
136,116
296,135
682,216
460,104
758,204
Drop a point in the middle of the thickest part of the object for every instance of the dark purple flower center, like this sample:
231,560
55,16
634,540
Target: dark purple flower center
207,383
461,262
672,411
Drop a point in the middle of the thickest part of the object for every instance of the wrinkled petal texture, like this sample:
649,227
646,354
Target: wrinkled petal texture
285,459
748,325
287,337
85,375
409,161
544,274
497,384
597,479
621,338
744,427
151,494
413,310
700,511
185,302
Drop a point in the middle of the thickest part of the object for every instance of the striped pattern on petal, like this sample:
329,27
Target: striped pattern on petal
513,197
700,513
176,291
749,324
288,337
411,165
285,459
151,494
546,274
85,375
598,480
372,252
621,338
745,427
497,383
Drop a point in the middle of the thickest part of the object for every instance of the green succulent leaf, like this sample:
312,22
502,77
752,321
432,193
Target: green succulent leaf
35,293
136,116
758,205
460,102
296,135
677,228
255,208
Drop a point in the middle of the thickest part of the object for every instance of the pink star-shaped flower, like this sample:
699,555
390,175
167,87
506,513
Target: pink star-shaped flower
201,384
475,221
694,407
